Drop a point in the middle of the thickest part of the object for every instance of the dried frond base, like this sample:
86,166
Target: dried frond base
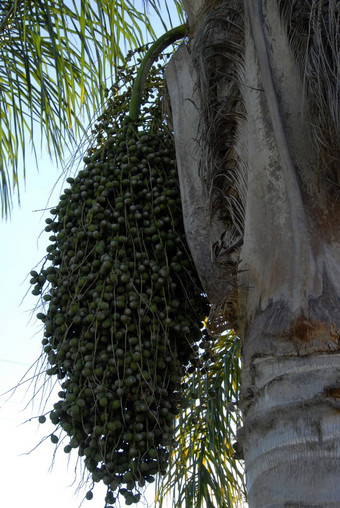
223,316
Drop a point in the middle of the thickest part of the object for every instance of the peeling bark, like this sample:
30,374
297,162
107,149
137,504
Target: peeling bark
290,256
200,233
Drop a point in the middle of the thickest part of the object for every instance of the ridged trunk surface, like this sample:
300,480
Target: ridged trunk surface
291,441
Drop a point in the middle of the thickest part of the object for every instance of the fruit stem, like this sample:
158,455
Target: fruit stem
151,55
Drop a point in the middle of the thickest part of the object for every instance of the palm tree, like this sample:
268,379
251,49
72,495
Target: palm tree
256,120
57,60
255,111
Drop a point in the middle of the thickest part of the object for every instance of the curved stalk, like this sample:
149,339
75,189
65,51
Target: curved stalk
157,47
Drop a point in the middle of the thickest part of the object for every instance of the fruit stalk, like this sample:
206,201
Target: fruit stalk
151,55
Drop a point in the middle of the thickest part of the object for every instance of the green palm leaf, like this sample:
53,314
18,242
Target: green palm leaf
57,60
204,471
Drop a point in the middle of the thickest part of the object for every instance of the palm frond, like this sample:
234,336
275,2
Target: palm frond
57,59
204,471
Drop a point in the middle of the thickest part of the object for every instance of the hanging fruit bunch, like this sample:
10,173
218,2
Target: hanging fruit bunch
123,305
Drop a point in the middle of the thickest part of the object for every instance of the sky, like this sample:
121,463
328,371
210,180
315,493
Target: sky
27,478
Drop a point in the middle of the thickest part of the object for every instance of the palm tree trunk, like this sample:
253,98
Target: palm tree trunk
289,263
291,431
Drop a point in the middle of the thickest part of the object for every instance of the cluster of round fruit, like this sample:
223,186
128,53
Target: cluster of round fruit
122,307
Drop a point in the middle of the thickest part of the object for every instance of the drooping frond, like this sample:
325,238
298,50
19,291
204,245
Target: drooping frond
314,32
57,59
204,469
